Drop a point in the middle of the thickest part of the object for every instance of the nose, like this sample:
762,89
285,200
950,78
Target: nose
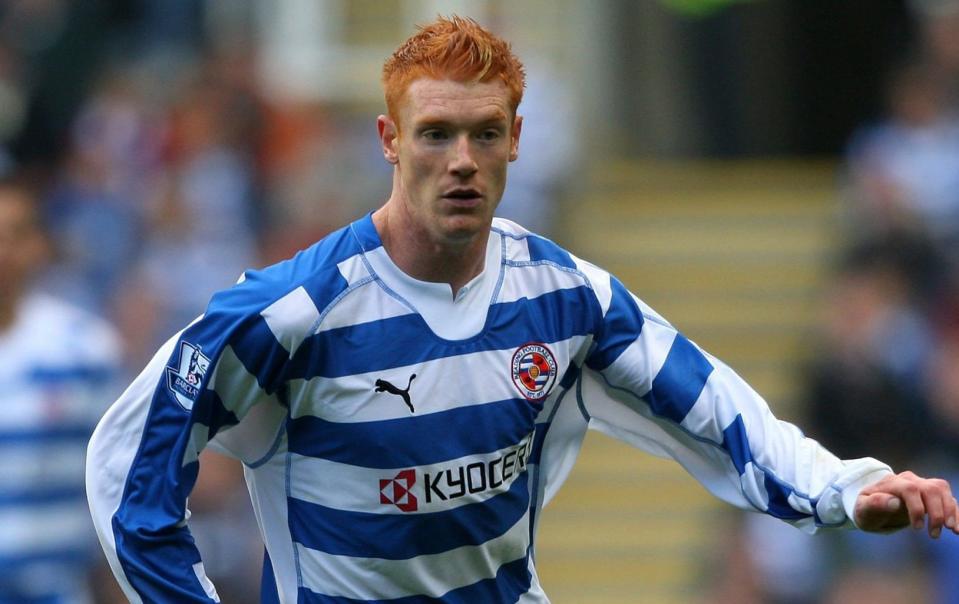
462,163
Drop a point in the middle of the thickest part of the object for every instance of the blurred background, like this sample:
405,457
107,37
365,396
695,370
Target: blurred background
779,178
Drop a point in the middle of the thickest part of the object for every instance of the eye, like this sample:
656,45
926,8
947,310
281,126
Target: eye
490,134
434,134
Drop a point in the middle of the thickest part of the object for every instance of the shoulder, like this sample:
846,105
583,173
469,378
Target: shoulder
61,325
291,295
523,248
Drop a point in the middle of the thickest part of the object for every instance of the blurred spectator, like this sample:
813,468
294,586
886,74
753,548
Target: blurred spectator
904,172
112,162
864,392
939,41
199,230
548,152
57,366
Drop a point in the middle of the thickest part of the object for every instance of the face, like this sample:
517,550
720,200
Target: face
21,244
451,148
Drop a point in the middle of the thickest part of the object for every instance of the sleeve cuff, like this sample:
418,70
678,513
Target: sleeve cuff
862,473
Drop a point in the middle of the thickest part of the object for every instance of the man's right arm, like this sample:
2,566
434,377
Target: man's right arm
219,375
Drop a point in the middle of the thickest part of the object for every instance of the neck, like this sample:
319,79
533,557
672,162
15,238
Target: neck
422,257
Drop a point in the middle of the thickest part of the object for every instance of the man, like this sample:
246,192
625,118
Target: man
409,392
56,364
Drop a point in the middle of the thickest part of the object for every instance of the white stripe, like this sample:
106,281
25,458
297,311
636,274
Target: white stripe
431,575
637,367
47,465
534,280
237,388
754,487
599,280
267,485
517,250
111,452
353,269
31,406
44,527
358,489
291,318
440,385
365,304
205,582
714,410
198,439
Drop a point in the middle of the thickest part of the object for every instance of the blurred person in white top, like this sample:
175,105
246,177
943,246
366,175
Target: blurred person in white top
57,365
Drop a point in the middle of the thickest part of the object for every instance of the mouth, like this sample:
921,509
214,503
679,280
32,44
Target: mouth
465,197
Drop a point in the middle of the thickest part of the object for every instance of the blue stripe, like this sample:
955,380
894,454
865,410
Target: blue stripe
398,442
45,435
511,581
260,353
43,495
64,556
407,340
60,375
681,380
736,444
268,591
157,556
536,451
365,232
620,327
210,411
779,494
543,249
402,536
313,268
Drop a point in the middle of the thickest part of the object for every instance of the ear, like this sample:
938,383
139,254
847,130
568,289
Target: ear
388,132
514,137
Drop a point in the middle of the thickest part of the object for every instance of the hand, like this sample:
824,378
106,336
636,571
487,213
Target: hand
905,499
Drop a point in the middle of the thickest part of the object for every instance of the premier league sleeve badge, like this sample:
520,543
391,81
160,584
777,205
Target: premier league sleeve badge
185,378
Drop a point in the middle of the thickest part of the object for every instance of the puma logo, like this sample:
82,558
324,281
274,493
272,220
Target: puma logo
384,386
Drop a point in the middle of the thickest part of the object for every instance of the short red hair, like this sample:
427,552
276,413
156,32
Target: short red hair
454,48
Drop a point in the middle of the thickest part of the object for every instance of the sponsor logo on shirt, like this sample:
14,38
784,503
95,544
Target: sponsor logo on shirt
397,491
185,378
456,480
534,371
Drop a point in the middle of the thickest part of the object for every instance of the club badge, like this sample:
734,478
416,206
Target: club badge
534,371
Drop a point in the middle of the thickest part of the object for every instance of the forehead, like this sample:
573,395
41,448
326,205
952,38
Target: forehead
428,100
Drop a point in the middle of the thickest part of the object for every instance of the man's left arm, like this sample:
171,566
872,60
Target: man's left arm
646,384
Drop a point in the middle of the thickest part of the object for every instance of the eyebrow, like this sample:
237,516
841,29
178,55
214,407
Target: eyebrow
494,117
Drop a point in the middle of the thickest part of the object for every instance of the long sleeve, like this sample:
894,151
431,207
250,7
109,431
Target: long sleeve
219,375
648,385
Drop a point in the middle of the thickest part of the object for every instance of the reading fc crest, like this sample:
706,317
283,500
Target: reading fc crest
534,371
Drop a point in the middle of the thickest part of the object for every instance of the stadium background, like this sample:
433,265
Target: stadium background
776,177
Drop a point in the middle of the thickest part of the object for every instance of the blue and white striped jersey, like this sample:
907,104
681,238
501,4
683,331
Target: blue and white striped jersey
57,364
399,443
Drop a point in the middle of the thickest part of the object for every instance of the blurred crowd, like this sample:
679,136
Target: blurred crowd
883,380
160,171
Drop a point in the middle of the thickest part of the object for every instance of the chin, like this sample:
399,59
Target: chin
463,229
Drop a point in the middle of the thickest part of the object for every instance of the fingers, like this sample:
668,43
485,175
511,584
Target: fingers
951,512
912,497
908,500
935,512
